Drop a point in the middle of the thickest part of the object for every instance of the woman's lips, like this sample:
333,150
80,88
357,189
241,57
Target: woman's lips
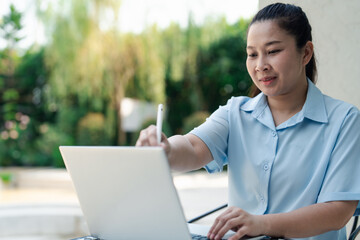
267,80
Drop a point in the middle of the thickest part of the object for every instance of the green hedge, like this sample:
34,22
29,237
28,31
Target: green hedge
91,130
194,120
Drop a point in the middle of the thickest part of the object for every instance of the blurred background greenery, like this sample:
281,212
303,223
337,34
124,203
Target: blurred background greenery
69,90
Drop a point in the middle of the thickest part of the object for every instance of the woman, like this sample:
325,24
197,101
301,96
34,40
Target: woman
293,153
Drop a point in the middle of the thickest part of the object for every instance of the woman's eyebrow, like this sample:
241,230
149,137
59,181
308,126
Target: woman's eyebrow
266,44
272,43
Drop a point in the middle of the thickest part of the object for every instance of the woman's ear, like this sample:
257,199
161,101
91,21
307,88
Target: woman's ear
308,52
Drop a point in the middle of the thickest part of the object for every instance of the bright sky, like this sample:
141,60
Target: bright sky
136,14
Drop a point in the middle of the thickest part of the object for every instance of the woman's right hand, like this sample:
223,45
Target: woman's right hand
148,137
185,153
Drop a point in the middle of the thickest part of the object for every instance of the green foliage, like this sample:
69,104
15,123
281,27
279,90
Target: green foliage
10,26
148,67
213,70
14,124
69,92
6,177
194,120
181,89
91,130
24,111
11,95
178,104
32,73
47,146
222,68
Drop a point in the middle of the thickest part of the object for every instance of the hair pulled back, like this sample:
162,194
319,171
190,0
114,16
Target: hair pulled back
294,21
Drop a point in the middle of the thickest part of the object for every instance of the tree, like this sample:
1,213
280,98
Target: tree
222,68
9,30
205,65
9,95
84,61
181,49
22,80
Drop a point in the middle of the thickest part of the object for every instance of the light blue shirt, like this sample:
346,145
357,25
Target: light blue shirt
313,157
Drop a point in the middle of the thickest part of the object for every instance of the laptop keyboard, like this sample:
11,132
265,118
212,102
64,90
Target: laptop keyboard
193,236
200,237
87,238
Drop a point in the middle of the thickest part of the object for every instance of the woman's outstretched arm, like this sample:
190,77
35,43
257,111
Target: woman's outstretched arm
184,152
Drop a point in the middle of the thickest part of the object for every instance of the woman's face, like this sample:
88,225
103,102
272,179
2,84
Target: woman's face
275,64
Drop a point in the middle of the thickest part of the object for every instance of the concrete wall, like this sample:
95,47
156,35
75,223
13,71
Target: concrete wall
336,37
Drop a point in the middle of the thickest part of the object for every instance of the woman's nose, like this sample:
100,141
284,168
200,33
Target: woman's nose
261,65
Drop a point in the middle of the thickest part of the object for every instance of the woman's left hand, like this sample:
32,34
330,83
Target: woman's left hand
237,220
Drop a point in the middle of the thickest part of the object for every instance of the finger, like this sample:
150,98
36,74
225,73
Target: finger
219,222
241,232
221,218
145,136
230,224
143,139
163,137
211,234
227,221
152,138
165,144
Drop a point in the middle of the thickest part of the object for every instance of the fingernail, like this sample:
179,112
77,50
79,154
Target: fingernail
212,236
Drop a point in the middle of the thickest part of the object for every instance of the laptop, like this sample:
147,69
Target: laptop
128,193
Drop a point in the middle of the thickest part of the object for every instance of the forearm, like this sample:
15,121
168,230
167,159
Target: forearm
184,155
309,221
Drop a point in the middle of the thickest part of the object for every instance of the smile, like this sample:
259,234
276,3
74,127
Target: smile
267,80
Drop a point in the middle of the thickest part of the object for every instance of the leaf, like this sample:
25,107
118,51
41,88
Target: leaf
11,95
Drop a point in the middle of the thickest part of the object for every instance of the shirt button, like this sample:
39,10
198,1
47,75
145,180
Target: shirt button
266,167
273,133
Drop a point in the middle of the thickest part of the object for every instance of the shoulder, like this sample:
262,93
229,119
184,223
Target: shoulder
242,103
342,116
323,108
336,107
232,107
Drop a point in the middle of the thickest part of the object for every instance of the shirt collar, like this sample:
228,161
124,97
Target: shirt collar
257,103
313,109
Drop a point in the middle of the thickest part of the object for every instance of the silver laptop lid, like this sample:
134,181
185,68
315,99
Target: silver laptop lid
126,192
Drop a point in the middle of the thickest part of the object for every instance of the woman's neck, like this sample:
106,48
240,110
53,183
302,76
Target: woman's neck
285,106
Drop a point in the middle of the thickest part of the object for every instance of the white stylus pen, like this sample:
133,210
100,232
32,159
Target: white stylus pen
159,122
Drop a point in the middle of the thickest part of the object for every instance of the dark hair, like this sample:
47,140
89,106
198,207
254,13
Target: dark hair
292,19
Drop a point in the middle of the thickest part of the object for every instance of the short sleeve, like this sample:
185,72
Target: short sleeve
214,133
342,179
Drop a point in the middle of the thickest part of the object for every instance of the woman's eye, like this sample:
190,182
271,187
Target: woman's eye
251,55
274,51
